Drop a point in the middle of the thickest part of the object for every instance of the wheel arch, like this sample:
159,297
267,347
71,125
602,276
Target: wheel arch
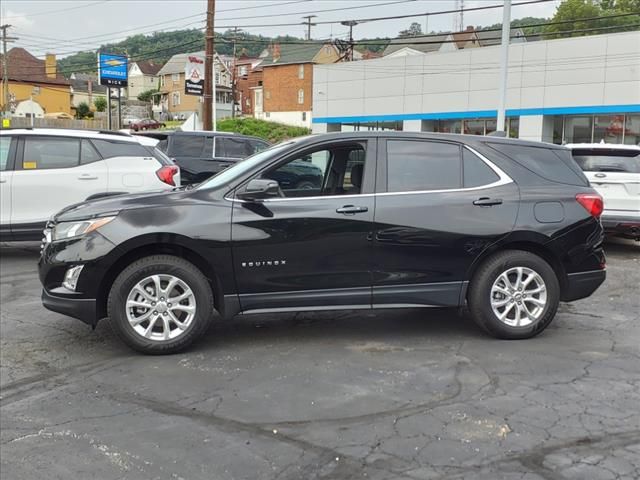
154,244
528,245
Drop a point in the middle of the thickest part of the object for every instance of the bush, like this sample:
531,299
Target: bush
271,131
100,103
147,95
82,110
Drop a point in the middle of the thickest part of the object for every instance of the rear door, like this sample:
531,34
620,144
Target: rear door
439,205
49,176
615,174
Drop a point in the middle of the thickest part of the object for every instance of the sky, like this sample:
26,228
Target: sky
66,26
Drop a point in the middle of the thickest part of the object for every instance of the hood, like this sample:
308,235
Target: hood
101,207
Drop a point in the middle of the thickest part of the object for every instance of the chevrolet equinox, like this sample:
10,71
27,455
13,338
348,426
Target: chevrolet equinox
505,228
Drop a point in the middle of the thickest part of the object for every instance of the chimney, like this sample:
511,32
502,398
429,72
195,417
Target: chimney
470,28
50,68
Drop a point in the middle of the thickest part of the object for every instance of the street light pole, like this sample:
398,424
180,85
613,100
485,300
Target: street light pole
209,76
504,65
5,68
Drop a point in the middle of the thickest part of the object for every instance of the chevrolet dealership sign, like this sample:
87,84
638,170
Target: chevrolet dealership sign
113,70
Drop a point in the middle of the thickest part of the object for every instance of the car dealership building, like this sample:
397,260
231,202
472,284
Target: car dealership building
570,90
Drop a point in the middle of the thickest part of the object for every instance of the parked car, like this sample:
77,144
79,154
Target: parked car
201,154
614,171
45,170
399,220
146,124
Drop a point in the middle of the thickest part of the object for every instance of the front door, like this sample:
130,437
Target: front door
438,208
312,246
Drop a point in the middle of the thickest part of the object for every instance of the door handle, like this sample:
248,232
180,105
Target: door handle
351,209
86,176
487,202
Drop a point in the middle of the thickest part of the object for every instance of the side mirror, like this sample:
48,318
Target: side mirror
259,189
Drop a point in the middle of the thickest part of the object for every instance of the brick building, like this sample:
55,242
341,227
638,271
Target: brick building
287,82
248,78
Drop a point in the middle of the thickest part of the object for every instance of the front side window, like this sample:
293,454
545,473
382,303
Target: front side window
414,165
42,153
5,143
336,170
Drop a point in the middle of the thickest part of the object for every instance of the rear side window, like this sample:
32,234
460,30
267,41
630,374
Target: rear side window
236,148
187,145
601,160
42,153
110,149
414,165
476,173
5,144
551,164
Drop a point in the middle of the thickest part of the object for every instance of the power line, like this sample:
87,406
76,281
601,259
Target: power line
52,12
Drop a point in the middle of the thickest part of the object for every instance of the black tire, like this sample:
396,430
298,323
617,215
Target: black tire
160,265
479,294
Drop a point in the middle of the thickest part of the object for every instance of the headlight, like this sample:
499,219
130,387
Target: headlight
82,227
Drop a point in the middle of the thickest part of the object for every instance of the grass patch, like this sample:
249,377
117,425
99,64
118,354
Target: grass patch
271,131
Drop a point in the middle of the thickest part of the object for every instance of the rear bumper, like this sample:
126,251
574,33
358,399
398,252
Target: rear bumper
622,224
83,309
583,284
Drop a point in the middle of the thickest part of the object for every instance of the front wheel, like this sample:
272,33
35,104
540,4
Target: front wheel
160,304
514,295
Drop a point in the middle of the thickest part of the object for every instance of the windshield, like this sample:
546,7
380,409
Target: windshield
597,160
230,174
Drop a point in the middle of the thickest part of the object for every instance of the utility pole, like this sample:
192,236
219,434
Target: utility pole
309,25
234,75
350,24
209,76
5,67
504,65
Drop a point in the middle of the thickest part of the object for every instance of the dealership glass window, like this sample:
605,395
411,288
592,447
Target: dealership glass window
417,165
50,152
558,129
513,127
578,129
632,130
490,125
474,127
448,126
608,128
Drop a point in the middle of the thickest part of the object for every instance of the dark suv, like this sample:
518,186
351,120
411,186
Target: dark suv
505,227
203,154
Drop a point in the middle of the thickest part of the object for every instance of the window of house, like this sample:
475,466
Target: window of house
42,153
88,153
475,172
300,72
175,77
162,81
243,70
175,99
417,165
301,96
304,116
330,171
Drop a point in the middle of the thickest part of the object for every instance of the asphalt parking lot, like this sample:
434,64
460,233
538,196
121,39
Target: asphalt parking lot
403,394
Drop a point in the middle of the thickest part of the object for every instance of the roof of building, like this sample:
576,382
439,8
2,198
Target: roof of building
487,38
176,64
24,67
148,68
462,38
433,45
289,54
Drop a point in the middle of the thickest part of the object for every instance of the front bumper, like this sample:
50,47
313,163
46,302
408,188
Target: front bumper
83,309
583,284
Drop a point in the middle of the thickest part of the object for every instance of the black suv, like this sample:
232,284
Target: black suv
203,154
505,227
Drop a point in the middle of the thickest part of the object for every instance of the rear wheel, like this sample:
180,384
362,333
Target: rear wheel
160,304
514,295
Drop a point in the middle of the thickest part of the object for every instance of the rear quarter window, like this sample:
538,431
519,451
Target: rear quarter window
111,148
552,164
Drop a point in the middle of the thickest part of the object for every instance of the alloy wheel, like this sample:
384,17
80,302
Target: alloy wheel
160,307
518,297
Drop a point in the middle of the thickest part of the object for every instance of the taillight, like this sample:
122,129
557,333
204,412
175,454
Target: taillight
166,174
592,203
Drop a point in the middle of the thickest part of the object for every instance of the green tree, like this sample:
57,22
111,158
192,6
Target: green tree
82,110
414,30
574,12
147,95
100,103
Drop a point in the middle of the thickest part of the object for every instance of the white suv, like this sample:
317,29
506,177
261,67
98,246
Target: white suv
614,171
44,170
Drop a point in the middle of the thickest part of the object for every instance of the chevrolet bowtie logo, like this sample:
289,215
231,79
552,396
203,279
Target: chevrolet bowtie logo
265,263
